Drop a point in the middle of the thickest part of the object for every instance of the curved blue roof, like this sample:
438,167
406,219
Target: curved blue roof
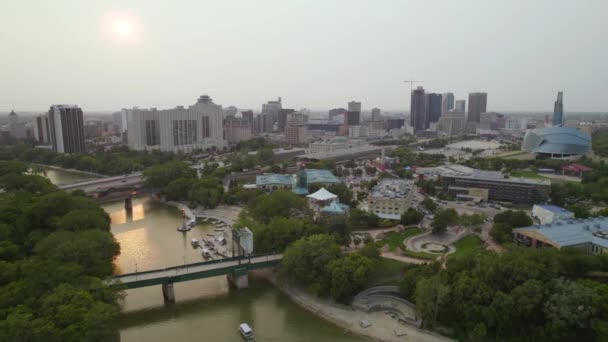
556,140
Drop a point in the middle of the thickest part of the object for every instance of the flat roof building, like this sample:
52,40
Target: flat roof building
590,235
298,182
390,198
545,213
500,187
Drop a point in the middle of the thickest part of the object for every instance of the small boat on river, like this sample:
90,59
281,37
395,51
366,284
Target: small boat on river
246,332
194,242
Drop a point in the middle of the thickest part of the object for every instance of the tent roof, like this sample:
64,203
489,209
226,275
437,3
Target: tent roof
322,195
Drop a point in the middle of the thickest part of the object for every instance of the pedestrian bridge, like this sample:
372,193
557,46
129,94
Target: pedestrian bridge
236,268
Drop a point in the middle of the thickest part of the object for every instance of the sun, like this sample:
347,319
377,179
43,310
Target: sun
123,28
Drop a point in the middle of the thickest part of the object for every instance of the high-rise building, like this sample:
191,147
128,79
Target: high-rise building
447,102
558,110
66,126
296,132
282,120
16,129
42,133
336,112
247,115
418,112
354,106
200,126
272,108
352,118
452,123
460,105
394,123
376,114
477,105
236,130
433,108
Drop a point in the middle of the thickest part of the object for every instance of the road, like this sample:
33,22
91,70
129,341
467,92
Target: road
96,185
191,268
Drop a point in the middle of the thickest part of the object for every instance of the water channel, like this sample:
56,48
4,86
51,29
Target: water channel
206,309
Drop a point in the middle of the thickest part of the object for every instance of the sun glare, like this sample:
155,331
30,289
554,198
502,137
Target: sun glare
122,27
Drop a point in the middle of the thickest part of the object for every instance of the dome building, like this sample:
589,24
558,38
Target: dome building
556,142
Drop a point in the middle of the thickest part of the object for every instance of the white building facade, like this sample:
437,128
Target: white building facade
199,126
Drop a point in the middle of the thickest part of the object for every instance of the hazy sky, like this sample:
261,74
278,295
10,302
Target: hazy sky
104,55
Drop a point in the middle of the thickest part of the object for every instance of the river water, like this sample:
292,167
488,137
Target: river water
205,309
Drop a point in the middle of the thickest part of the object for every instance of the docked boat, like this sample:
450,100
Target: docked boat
205,253
221,240
194,242
184,227
246,332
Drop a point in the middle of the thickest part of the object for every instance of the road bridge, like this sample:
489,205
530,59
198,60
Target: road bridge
92,186
236,268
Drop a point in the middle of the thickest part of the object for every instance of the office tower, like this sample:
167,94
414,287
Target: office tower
41,129
282,120
199,126
236,130
491,121
247,115
558,110
376,114
67,129
296,131
272,108
477,105
394,123
418,113
433,108
460,105
354,106
452,123
447,102
16,129
352,118
230,111
336,112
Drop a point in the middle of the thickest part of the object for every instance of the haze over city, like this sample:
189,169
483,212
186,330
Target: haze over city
105,55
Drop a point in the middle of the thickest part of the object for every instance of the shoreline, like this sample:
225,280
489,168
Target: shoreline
53,167
347,318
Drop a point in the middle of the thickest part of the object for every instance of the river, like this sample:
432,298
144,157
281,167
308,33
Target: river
206,309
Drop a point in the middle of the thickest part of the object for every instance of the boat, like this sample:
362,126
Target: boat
246,332
184,227
194,242
205,253
221,240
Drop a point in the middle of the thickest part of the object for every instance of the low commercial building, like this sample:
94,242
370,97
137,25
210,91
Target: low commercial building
577,170
342,155
323,202
391,198
298,183
337,143
236,130
500,187
549,213
590,235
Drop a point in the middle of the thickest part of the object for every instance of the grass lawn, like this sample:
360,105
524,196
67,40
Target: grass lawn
387,272
526,174
395,239
420,255
470,245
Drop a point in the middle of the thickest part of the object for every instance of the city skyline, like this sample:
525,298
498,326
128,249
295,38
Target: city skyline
157,55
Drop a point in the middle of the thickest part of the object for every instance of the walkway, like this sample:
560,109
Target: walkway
193,271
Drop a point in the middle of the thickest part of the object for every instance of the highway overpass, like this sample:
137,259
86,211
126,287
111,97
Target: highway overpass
103,184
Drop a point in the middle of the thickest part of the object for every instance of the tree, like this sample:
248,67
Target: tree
344,193
265,156
430,295
505,222
161,175
349,275
444,218
305,262
470,220
280,232
411,216
429,204
279,203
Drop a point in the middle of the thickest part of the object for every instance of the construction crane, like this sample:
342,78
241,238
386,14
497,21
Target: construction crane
411,82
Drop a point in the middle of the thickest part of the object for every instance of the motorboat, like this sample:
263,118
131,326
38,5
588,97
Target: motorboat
246,332
194,242
205,253
184,227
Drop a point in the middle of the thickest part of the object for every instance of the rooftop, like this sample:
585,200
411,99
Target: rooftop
554,209
573,232
322,195
274,178
312,176
344,152
335,208
392,188
576,168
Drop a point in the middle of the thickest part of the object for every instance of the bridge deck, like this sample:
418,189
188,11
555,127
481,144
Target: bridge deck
194,271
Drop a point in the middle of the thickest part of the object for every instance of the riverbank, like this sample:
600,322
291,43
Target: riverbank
382,328
53,167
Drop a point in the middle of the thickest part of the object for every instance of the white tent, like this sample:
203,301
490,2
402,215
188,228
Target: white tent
322,195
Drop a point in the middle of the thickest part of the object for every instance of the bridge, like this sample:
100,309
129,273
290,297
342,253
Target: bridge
236,268
92,186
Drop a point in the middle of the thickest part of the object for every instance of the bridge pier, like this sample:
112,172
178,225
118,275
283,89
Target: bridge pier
168,293
239,278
